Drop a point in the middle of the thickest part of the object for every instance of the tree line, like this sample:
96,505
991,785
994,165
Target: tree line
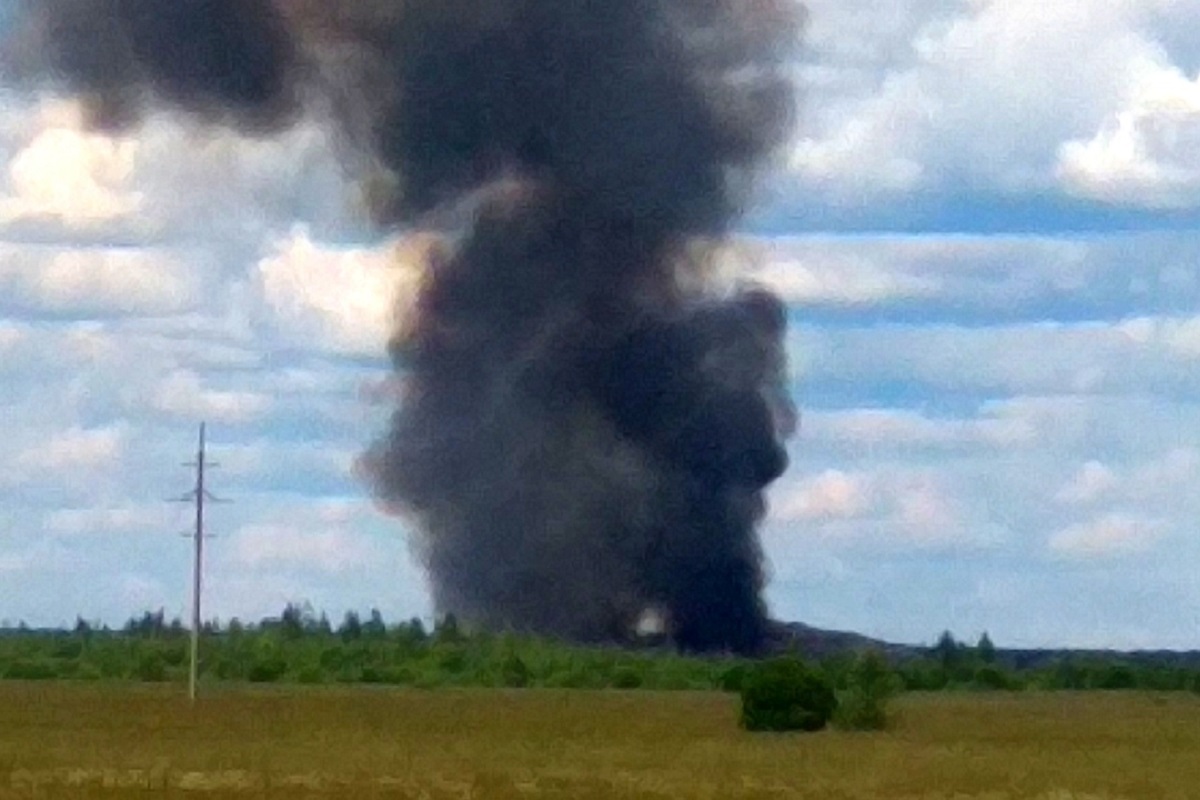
300,646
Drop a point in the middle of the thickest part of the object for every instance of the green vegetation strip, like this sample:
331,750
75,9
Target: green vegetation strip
300,648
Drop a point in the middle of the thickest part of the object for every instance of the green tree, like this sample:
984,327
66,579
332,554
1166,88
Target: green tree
374,627
871,684
783,694
351,628
447,630
291,622
948,651
985,649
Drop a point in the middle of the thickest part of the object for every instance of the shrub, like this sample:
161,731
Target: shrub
151,668
310,675
785,695
175,654
514,673
266,669
1117,676
68,649
88,672
870,686
992,677
30,670
732,679
572,677
452,659
626,677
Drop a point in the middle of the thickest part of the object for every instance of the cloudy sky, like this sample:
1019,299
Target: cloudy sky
987,229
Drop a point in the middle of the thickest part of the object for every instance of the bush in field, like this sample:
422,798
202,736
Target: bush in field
731,679
514,673
30,670
151,667
310,675
266,669
870,686
626,677
1117,676
994,678
783,694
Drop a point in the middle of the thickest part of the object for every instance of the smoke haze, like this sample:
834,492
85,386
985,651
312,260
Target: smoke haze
586,431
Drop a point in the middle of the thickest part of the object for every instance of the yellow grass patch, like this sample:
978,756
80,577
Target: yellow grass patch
119,741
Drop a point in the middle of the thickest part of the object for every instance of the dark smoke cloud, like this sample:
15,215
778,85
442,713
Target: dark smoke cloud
229,61
585,434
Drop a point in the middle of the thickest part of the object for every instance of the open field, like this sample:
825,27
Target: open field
131,741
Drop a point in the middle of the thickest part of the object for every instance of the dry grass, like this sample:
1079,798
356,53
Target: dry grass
60,740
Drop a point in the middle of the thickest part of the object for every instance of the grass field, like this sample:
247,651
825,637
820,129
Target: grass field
124,741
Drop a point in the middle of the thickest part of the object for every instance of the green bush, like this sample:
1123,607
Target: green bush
1116,676
514,673
310,675
572,678
452,659
30,670
266,669
151,668
88,672
175,654
626,678
68,649
732,679
994,678
870,686
783,694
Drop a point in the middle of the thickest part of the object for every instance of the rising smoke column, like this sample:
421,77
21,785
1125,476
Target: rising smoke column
585,432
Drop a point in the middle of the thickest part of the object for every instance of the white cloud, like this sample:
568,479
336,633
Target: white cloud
345,299
1147,154
902,428
312,546
984,94
1108,535
958,271
241,187
886,506
1158,479
76,448
183,394
267,459
1034,358
1091,483
64,172
11,335
845,281
98,279
1179,336
65,178
832,494
1150,483
126,519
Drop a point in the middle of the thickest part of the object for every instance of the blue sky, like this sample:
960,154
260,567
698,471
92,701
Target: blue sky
987,229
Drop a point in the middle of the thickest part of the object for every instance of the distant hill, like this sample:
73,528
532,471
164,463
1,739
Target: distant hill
820,643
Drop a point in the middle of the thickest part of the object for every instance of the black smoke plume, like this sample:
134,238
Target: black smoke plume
587,427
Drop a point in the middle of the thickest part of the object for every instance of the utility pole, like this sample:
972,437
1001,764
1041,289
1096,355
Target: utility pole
198,496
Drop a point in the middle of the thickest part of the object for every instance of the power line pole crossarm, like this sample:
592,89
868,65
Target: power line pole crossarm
199,496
